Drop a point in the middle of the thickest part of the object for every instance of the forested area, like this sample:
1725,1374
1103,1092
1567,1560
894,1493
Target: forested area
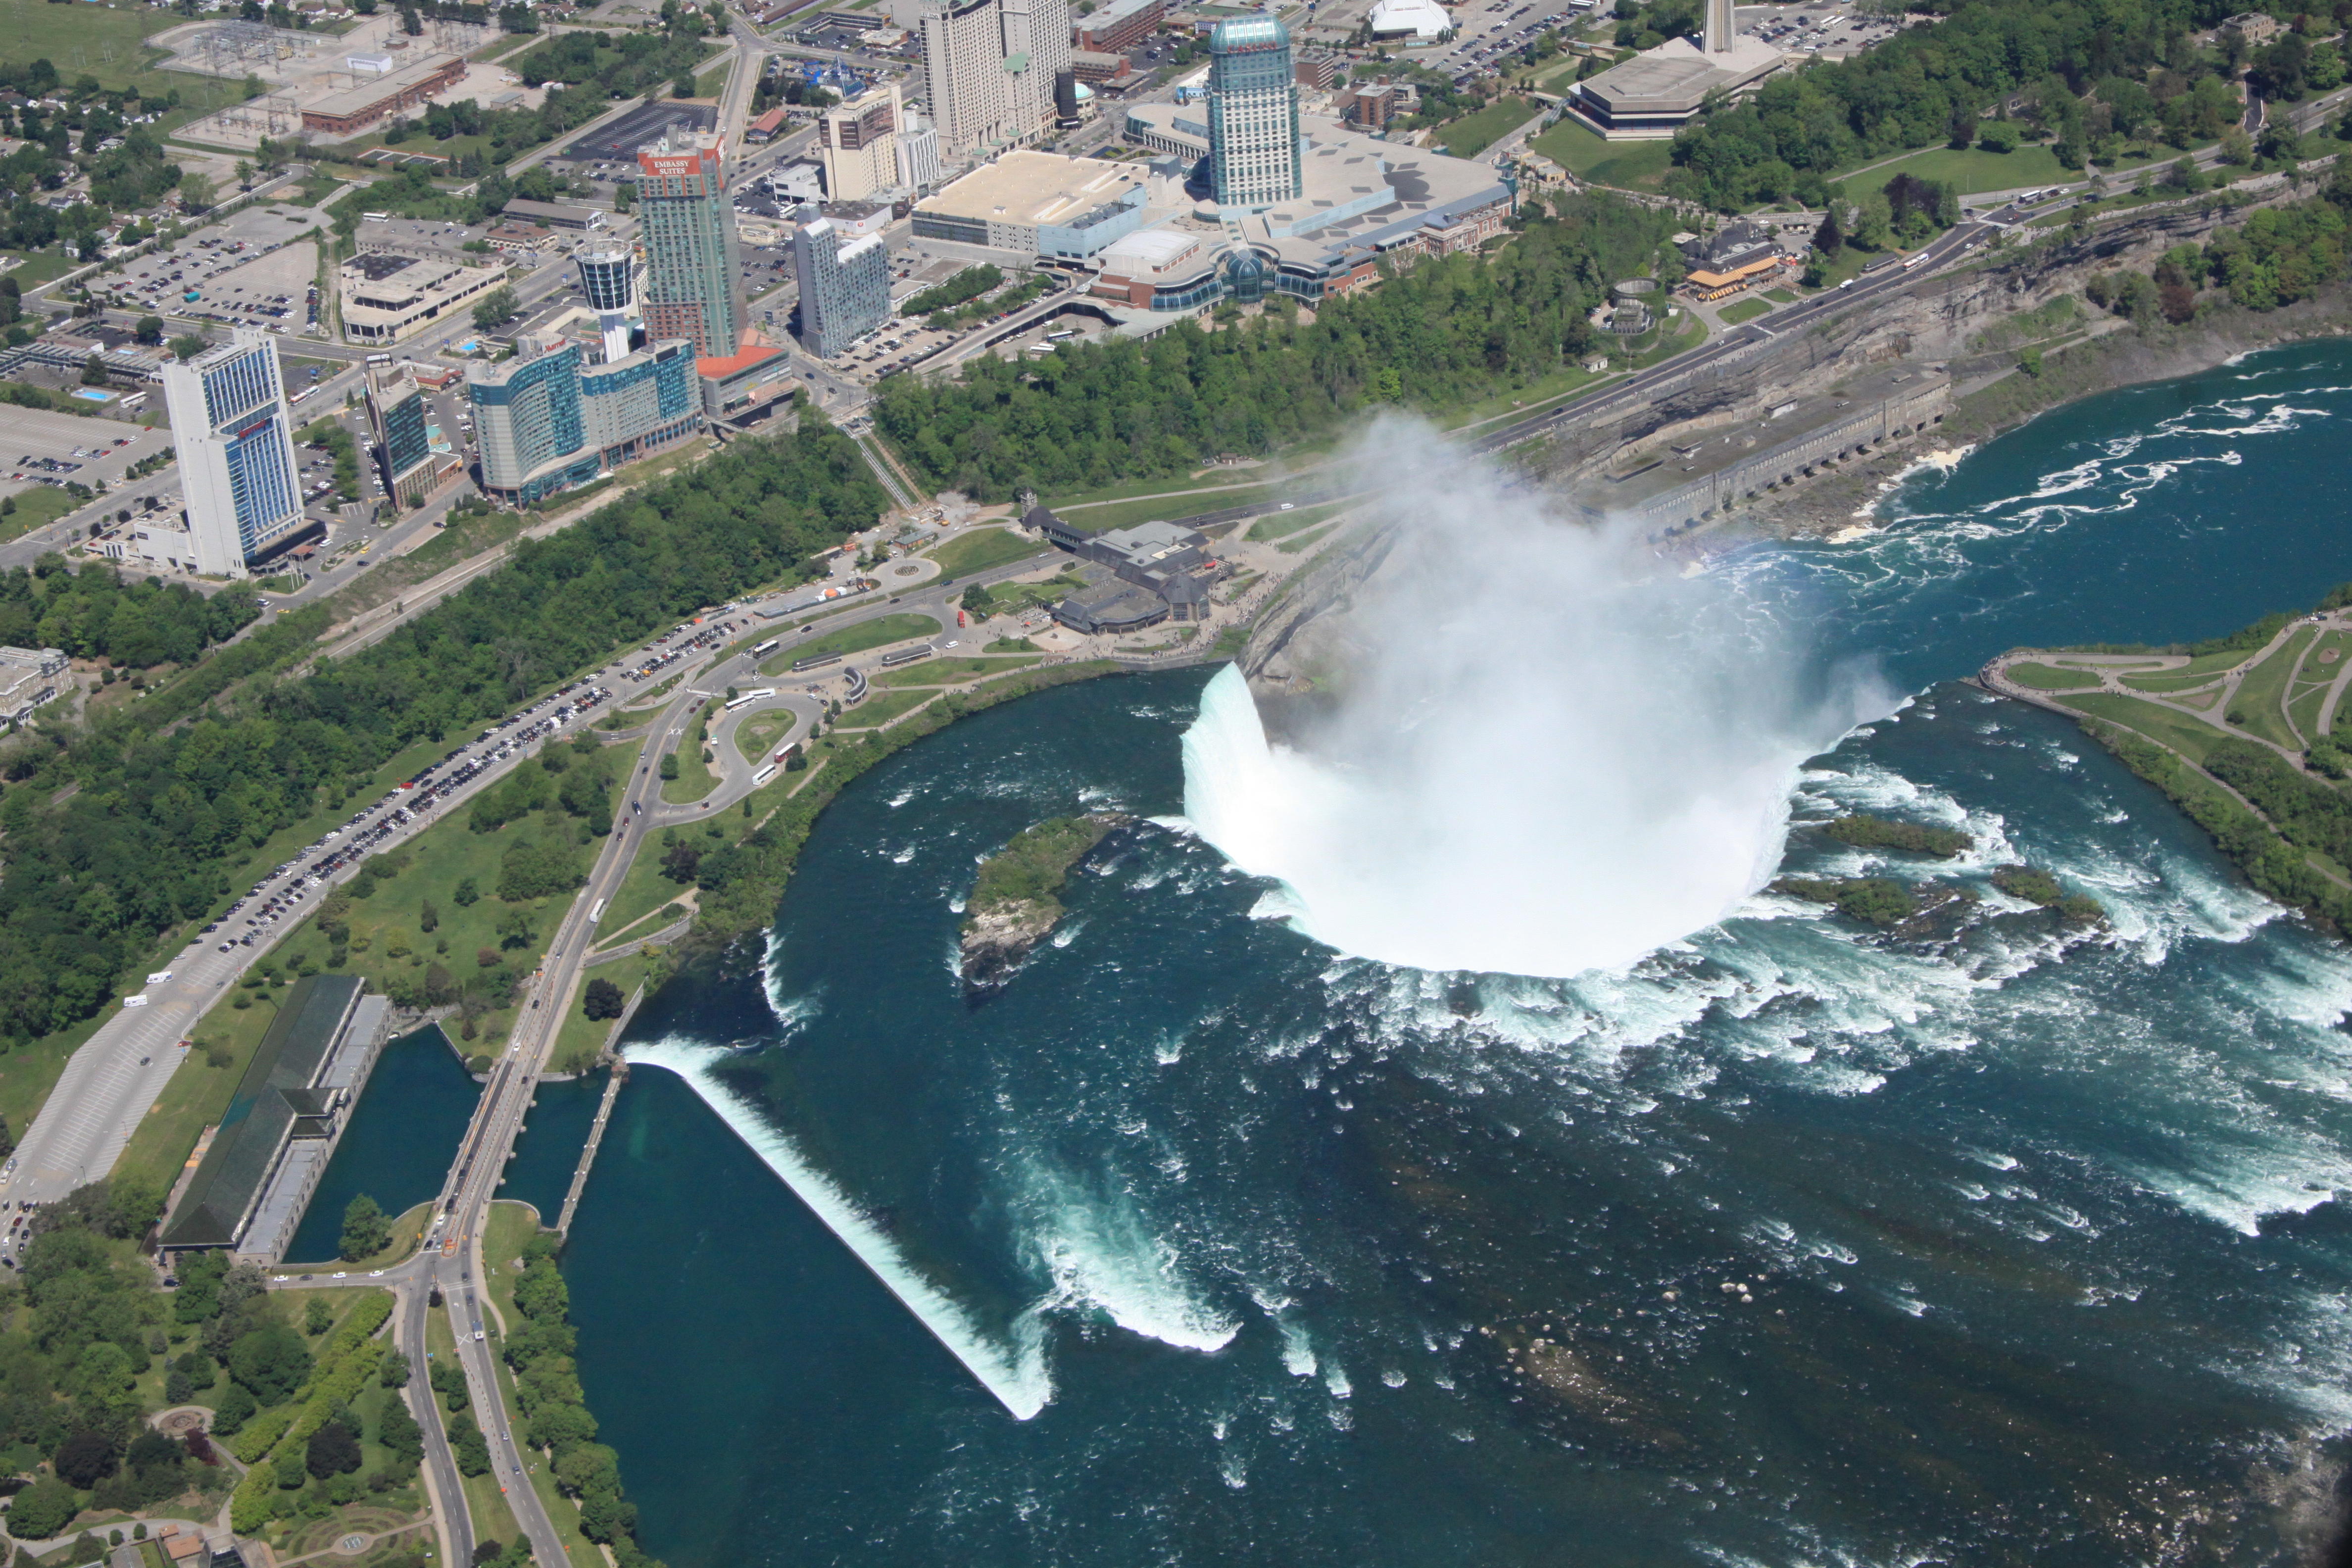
164,819
1452,329
2091,79
95,614
88,1348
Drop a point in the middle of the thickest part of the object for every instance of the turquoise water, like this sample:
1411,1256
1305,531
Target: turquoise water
397,1147
1201,1244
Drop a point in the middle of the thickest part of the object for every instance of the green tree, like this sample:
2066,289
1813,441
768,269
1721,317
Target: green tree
93,370
188,345
467,1444
233,1409
42,1510
601,1000
148,330
271,1361
497,308
400,1433
367,1229
317,1316
334,1450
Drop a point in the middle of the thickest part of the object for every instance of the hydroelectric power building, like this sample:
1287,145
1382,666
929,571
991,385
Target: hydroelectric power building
281,1126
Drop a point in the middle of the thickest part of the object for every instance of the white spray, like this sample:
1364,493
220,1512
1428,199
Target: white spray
1552,751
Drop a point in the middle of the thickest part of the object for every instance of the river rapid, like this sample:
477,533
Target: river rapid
1204,1243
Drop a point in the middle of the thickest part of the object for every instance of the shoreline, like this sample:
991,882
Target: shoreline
1846,502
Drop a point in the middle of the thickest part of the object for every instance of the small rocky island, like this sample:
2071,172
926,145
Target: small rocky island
1013,907
1890,905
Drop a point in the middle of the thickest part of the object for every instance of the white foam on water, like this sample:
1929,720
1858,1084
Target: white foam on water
1102,1257
1017,1374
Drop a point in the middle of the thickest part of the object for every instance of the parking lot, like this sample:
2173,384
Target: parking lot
234,271
44,447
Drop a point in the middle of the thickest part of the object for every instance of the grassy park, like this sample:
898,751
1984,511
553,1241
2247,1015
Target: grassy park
1474,132
853,639
1631,166
981,549
1971,172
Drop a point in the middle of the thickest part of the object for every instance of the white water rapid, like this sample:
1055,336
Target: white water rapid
1552,751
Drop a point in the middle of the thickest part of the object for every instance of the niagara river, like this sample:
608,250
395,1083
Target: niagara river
1217,1238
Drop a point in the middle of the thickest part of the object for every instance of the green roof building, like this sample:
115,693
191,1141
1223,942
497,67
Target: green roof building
281,1123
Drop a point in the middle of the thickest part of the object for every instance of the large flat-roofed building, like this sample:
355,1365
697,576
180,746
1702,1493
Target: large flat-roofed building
1659,91
248,1192
1180,130
1119,26
387,299
357,107
1167,569
1038,203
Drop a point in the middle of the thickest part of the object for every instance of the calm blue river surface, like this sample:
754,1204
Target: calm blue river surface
1201,1245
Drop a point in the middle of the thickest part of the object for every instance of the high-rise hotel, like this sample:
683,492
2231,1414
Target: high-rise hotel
234,432
1254,142
692,270
991,66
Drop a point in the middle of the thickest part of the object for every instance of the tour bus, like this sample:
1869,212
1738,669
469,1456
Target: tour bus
1880,265
765,648
596,912
379,359
1914,259
298,396
905,656
818,662
375,217
750,697
763,775
1062,336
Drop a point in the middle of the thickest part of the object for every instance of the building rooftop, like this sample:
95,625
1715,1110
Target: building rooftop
274,1095
1240,33
373,91
1676,77
1033,189
1360,193
1422,18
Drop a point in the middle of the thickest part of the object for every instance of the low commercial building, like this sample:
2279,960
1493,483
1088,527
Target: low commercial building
1114,71
1037,204
521,238
736,389
282,1122
1166,572
1119,26
386,298
356,108
1408,21
557,215
1734,258
1656,93
764,128
1180,129
28,678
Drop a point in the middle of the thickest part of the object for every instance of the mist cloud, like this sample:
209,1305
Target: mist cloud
1552,751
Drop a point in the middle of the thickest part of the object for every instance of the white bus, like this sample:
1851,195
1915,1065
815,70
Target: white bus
750,697
298,396
765,648
763,775
596,912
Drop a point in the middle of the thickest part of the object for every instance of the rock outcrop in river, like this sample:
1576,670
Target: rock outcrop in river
1013,907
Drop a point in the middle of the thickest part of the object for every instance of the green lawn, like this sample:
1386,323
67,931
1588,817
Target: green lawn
1282,524
953,671
712,82
1125,514
755,735
2049,678
1305,541
107,41
1781,296
984,548
2259,706
889,628
581,1038
644,889
695,778
1971,173
1636,166
1743,310
1215,479
883,706
28,509
2190,737
1474,133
